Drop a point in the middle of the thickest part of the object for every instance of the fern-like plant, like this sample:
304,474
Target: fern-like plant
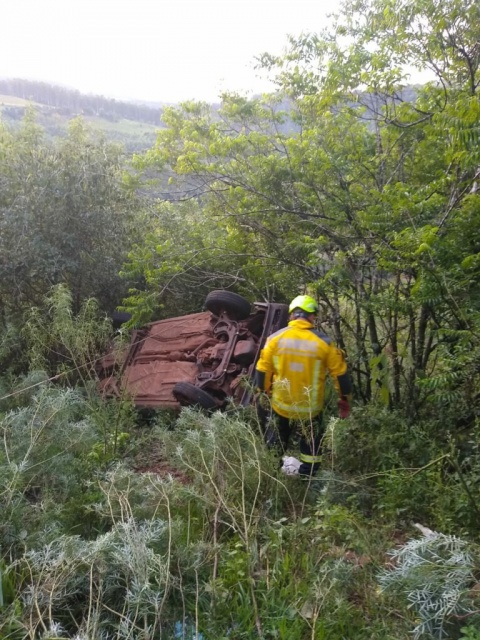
435,572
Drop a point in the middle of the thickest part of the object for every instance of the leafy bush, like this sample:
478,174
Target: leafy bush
402,472
65,343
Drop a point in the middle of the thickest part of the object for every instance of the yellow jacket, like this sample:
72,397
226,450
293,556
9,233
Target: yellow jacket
295,361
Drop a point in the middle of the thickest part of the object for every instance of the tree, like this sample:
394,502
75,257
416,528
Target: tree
363,197
67,215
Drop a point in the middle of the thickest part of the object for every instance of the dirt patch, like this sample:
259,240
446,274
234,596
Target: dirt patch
162,468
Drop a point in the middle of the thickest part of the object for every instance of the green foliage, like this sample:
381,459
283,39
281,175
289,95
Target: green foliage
113,421
470,633
12,353
40,458
399,471
65,216
435,573
229,468
198,538
180,262
346,184
367,198
54,441
7,586
222,538
375,439
66,343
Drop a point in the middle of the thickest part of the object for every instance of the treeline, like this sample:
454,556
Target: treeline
72,102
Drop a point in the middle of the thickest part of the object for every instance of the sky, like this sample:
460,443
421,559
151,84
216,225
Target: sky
151,50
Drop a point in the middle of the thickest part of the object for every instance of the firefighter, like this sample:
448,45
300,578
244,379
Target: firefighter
292,371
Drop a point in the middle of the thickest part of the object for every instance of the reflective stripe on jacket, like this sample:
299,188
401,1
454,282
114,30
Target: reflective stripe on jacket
295,361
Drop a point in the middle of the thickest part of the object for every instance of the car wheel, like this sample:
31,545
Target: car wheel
235,306
189,395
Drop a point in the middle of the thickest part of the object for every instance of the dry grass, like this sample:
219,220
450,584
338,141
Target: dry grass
13,101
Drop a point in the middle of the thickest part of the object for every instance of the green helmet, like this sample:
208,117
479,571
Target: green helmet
305,303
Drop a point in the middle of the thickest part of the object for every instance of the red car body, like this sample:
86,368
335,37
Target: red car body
198,359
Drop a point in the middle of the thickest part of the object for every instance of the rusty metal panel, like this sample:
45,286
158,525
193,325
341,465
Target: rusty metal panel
151,383
210,351
182,334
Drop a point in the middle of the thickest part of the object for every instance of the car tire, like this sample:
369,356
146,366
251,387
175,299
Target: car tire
187,394
235,306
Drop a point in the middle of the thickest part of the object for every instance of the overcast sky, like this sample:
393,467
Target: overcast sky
157,50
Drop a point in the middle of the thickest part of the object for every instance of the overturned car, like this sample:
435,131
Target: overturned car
199,359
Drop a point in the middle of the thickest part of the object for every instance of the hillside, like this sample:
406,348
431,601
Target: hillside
133,125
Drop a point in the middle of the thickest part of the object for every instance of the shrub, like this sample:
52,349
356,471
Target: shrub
435,573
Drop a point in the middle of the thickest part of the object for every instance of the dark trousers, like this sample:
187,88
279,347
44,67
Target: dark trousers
312,432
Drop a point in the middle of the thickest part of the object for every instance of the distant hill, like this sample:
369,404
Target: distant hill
130,123
134,124
71,101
